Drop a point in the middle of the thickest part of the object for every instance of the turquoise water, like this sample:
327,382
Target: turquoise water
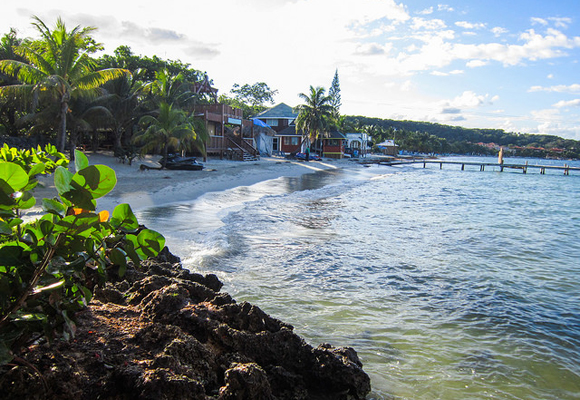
449,284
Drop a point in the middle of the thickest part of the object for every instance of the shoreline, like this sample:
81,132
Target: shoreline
153,188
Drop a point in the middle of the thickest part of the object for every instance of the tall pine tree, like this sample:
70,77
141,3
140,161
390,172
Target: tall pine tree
334,94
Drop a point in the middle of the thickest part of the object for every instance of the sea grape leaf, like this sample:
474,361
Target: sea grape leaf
37,169
5,228
14,175
124,219
81,161
97,179
11,255
26,201
54,206
80,197
62,180
119,257
150,243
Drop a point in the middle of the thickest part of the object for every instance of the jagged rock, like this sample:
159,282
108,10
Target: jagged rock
246,381
162,332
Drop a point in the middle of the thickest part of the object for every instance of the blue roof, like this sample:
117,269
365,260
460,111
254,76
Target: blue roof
260,123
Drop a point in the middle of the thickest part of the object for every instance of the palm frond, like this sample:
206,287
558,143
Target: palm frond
98,78
23,72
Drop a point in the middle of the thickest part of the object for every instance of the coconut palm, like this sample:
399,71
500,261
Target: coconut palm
315,115
123,100
170,128
58,69
171,89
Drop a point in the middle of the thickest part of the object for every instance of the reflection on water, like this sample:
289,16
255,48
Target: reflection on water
450,284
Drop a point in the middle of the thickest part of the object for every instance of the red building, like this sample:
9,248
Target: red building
282,118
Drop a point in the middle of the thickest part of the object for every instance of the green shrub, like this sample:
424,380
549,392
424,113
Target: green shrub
50,266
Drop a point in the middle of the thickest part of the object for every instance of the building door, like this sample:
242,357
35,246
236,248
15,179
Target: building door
275,146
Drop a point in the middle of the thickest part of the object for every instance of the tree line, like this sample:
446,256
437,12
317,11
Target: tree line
53,90
429,137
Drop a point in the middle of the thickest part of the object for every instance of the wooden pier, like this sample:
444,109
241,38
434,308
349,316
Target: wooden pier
482,165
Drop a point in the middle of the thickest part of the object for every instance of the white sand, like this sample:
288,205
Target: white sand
148,188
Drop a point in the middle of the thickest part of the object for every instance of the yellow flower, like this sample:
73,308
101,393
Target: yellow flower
103,216
77,211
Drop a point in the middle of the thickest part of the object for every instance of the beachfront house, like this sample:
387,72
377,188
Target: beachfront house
230,135
287,140
279,118
331,146
388,147
357,144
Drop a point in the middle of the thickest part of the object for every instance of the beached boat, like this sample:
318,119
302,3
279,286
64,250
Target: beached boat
182,163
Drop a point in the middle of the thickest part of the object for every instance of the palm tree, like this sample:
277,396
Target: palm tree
58,69
315,115
171,89
123,101
169,129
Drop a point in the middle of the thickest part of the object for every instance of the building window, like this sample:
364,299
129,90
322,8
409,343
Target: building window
272,122
291,140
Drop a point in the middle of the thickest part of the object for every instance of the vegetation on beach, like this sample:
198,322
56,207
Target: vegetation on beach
56,71
52,91
315,115
50,266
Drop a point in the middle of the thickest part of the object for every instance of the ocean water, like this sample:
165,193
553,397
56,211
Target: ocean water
449,284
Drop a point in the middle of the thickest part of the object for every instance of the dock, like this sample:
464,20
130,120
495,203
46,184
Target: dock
482,165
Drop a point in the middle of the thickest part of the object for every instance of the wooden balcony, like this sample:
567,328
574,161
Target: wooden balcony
221,113
236,138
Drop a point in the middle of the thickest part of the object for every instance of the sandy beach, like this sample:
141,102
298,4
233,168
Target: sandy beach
150,188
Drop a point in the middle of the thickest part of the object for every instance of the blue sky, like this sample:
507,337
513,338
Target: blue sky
512,65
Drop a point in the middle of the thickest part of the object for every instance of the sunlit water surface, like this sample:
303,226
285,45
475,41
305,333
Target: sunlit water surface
449,284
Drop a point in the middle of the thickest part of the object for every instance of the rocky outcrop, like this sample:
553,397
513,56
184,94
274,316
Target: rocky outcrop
163,332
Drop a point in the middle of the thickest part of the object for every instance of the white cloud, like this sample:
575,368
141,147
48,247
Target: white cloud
431,24
469,25
559,22
470,99
445,7
476,64
372,49
550,76
538,21
574,88
498,31
426,11
569,103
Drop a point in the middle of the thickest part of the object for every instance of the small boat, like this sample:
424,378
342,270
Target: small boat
182,163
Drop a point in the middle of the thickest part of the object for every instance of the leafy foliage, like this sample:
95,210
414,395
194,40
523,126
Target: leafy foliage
57,69
50,266
315,116
334,94
431,137
251,99
170,128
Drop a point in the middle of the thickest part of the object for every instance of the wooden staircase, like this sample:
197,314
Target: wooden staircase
241,150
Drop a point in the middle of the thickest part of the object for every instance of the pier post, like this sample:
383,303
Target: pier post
440,165
501,168
525,169
463,167
424,164
566,169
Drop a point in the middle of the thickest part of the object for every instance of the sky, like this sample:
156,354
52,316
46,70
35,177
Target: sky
511,65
